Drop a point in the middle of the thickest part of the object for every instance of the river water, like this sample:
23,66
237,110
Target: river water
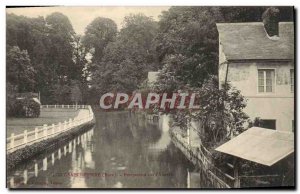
122,150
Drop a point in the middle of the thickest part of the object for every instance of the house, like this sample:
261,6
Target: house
262,68
152,78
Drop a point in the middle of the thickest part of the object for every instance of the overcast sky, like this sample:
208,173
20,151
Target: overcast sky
80,17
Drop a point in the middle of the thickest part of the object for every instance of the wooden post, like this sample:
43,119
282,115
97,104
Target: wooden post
52,129
236,174
36,133
68,106
45,131
25,137
47,106
65,125
62,106
12,141
59,126
55,106
70,122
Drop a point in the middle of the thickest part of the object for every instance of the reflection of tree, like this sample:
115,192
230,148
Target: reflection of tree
123,141
144,130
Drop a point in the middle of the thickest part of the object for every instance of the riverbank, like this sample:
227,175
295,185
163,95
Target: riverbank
51,138
200,157
19,156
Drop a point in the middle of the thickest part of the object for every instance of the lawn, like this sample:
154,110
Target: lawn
48,116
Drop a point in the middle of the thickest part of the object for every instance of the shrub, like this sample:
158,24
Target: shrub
25,108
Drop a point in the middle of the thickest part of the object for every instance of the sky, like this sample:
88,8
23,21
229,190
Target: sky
80,17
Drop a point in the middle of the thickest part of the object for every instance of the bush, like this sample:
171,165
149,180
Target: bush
25,108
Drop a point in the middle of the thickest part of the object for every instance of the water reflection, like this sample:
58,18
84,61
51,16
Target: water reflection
122,151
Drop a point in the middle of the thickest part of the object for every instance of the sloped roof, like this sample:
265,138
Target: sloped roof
243,41
260,145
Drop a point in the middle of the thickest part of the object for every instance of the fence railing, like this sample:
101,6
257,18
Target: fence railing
72,106
203,156
15,142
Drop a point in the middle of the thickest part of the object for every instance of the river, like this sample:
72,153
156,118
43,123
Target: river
122,150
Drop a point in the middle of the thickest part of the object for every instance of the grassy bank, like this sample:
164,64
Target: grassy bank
48,116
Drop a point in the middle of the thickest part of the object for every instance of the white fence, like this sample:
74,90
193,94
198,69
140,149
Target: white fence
73,106
15,142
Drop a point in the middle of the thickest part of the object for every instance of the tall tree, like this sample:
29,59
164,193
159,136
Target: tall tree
60,53
20,72
98,34
126,61
189,35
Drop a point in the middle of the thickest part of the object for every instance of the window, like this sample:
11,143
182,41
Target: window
292,80
268,123
266,80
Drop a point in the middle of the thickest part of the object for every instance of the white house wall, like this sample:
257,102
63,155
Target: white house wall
278,105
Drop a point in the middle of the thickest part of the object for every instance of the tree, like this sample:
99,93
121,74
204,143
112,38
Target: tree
76,94
98,34
79,58
60,53
20,71
189,35
55,52
126,61
270,19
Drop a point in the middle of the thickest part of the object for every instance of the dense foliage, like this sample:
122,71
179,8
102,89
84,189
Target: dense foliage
26,107
50,57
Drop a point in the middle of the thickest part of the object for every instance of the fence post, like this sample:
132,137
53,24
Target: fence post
70,122
62,106
45,131
25,137
55,106
68,106
52,129
47,105
12,141
36,132
59,126
65,125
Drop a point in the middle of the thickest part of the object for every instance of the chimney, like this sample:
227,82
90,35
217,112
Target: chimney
271,19
286,29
